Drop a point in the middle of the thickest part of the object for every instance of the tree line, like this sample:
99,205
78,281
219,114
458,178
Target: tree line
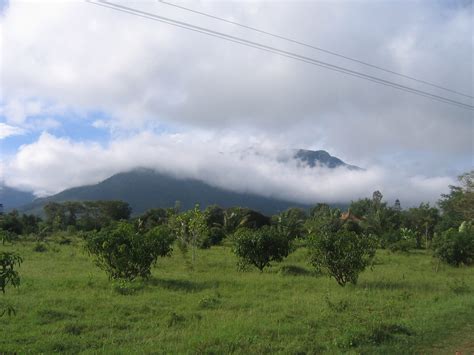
341,242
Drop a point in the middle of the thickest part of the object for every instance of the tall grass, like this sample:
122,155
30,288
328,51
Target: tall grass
66,304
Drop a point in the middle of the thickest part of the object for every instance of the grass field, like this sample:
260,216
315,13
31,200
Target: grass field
66,304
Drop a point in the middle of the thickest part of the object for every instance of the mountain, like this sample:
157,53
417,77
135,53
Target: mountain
144,189
314,158
12,198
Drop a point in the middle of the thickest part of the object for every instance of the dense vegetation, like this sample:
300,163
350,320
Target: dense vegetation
396,243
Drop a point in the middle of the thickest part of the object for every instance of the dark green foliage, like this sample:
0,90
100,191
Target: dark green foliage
422,220
239,217
11,222
260,247
459,286
294,270
401,241
85,215
215,221
215,216
455,247
458,205
125,253
152,218
402,245
343,254
324,219
291,223
215,236
7,236
174,319
376,335
8,275
191,231
40,248
13,225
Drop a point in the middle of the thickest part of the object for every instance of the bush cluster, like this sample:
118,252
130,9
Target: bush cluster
343,254
126,253
455,247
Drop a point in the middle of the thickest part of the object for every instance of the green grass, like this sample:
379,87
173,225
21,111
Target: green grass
66,304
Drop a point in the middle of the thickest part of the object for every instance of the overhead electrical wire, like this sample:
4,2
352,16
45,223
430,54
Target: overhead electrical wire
291,40
274,50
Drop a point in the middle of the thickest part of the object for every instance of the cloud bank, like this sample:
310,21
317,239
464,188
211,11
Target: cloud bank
52,164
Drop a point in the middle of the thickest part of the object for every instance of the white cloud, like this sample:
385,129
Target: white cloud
7,130
91,58
70,56
52,164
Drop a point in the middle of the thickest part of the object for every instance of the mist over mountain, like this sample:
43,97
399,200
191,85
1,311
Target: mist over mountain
145,188
314,158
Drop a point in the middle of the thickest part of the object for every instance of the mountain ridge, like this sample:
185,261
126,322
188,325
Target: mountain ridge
145,188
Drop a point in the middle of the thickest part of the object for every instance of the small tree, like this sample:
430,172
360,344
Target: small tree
8,274
456,247
260,247
291,223
191,230
125,253
344,254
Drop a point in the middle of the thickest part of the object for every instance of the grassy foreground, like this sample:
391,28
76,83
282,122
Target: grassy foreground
66,304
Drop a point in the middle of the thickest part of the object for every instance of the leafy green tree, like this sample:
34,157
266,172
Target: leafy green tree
362,207
422,220
152,218
30,224
458,205
455,246
11,222
8,275
239,217
85,215
324,219
125,253
260,247
321,209
343,254
290,223
406,240
215,220
55,216
191,230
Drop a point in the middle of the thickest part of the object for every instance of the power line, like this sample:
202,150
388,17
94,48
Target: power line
288,39
280,52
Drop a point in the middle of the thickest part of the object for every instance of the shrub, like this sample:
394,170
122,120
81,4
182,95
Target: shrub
125,253
40,248
455,247
8,274
402,245
343,254
260,247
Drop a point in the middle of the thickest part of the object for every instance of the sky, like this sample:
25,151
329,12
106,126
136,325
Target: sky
86,92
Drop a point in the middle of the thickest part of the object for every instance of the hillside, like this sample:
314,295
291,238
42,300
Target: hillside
144,189
12,198
314,158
